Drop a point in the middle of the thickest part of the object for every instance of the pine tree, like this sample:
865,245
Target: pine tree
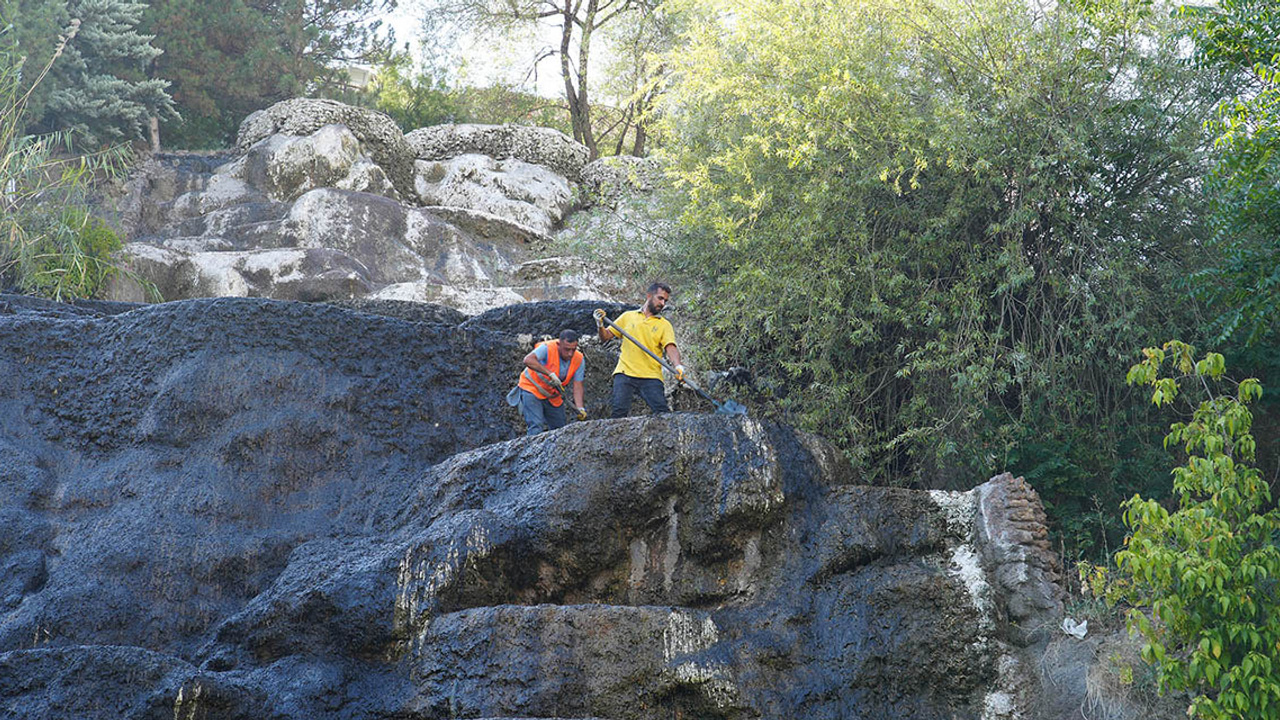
102,92
229,58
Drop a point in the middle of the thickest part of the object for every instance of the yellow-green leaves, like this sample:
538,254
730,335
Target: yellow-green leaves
1200,578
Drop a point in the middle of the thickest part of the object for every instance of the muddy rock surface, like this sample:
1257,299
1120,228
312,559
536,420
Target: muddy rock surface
244,508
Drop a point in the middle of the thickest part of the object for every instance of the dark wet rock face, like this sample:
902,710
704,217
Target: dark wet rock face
254,509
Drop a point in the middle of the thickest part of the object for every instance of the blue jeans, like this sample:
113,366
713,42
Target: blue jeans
540,415
625,388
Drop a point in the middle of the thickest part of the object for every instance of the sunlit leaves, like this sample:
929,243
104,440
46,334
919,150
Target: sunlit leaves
942,214
1202,578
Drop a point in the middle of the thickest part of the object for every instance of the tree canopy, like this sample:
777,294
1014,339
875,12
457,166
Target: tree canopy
98,88
228,59
1242,284
924,225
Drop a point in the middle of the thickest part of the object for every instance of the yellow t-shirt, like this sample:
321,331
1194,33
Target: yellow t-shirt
655,332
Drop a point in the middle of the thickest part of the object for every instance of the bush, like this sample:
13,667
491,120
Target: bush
72,259
1203,579
49,244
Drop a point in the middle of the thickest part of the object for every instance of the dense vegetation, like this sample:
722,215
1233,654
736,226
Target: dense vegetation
937,229
49,243
1202,579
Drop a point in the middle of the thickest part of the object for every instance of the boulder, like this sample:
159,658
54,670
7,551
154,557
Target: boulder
321,201
286,166
534,145
376,131
608,177
530,196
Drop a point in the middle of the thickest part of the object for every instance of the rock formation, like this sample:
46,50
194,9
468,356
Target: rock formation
244,508
322,201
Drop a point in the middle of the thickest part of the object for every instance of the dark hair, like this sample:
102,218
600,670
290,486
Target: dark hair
569,335
658,286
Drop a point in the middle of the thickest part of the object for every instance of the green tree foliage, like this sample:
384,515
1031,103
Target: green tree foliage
98,89
1242,286
48,242
924,225
426,98
636,74
578,24
1203,578
228,59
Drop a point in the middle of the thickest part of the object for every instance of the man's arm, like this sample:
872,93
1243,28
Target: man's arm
578,394
673,354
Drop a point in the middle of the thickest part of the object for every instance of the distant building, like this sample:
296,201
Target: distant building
359,77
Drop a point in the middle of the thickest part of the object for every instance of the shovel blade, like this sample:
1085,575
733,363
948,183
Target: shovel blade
729,407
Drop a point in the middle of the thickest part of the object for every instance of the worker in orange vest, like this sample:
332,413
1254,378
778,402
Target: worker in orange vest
541,391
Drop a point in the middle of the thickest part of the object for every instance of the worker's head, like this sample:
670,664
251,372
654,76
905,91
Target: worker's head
656,297
567,342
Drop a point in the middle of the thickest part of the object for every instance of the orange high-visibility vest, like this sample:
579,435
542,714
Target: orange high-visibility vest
541,389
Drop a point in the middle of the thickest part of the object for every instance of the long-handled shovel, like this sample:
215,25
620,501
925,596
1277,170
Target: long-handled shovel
723,407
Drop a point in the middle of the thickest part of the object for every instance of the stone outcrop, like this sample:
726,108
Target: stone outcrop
537,146
243,508
608,177
304,116
1014,538
323,201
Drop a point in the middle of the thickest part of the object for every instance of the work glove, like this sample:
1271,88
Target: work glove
680,373
599,316
582,413
555,383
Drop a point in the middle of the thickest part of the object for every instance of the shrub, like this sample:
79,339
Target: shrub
1203,578
49,244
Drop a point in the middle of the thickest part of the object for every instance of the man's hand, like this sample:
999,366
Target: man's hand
680,373
599,316
555,383
582,413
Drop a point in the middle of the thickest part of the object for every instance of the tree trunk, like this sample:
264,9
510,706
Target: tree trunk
566,70
154,125
584,54
576,97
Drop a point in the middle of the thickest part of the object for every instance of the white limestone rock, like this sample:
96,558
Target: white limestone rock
382,139
538,146
284,167
621,174
528,195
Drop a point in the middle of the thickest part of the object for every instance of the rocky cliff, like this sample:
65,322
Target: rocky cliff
240,508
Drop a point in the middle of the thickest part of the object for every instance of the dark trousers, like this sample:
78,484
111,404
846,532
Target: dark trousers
540,415
625,388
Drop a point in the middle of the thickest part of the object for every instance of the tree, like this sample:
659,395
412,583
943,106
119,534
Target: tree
228,59
578,22
922,226
98,89
49,244
1203,579
1242,285
636,72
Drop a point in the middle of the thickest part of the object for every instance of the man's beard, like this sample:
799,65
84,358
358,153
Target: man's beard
653,310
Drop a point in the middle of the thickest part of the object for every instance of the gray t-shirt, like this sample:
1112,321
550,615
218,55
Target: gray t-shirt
541,353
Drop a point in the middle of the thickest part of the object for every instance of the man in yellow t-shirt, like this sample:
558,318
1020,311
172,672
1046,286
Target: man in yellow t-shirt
636,372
